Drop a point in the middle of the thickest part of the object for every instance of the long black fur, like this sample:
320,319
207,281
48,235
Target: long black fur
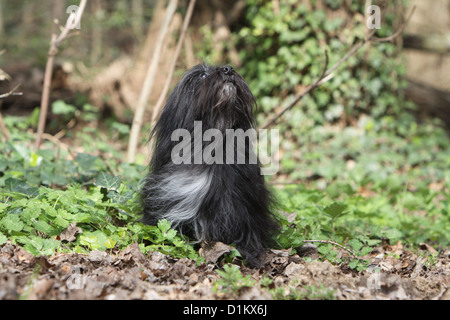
210,202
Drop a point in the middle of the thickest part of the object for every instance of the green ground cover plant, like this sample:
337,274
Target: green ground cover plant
397,191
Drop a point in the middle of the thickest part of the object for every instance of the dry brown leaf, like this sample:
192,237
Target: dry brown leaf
70,233
213,251
424,246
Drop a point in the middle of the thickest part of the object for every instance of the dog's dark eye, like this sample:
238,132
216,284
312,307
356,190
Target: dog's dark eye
203,75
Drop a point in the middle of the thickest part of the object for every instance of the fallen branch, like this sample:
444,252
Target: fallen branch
354,255
3,129
328,74
56,141
324,77
187,19
12,92
157,109
74,19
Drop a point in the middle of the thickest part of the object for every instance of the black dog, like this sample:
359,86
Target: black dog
200,184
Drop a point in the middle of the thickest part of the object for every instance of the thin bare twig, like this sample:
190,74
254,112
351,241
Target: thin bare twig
399,31
56,141
318,82
187,19
336,244
328,74
12,92
148,83
3,128
156,110
73,19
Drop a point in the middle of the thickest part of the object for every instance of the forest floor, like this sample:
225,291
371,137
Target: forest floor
129,274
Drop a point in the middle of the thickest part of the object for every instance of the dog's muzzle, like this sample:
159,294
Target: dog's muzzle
229,89
228,74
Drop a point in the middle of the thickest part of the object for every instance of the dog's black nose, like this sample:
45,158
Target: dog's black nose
227,70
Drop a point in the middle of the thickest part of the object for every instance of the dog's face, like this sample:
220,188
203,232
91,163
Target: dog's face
217,96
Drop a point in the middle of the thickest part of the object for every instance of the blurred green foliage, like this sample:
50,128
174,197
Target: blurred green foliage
286,50
284,53
108,31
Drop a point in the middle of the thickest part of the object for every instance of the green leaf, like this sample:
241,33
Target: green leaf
325,249
96,240
38,246
109,243
15,185
86,161
43,226
355,244
121,128
60,107
12,222
60,221
34,160
108,181
336,209
3,239
393,234
91,241
170,234
365,250
164,225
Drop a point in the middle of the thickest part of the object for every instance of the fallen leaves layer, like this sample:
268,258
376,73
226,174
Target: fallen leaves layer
395,273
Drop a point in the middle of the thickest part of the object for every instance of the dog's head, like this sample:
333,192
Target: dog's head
217,96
